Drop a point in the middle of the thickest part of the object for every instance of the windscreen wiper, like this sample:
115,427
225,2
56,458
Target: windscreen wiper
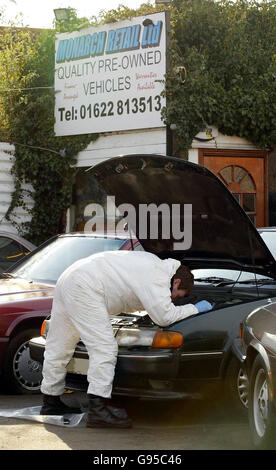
213,279
250,281
7,275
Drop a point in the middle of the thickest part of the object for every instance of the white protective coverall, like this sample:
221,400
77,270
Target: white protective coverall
91,290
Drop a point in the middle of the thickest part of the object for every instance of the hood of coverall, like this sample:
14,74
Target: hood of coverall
223,236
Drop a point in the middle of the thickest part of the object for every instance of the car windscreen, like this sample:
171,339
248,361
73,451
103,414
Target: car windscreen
47,264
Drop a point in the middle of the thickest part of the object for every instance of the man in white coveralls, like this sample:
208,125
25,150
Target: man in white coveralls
86,294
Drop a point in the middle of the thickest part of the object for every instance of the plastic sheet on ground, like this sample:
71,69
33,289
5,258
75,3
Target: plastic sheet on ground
32,414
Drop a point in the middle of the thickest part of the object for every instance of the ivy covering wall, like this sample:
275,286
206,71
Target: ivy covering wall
222,67
228,50
27,101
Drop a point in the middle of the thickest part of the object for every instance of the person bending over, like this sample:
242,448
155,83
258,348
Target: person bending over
86,295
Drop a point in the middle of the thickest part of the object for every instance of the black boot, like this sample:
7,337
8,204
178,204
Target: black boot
102,414
116,410
52,405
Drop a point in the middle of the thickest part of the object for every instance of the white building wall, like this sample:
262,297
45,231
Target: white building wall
220,141
7,188
110,145
113,144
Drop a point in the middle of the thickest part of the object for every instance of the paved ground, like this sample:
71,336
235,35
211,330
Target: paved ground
170,425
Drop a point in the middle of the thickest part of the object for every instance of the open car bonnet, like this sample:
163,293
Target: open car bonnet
222,234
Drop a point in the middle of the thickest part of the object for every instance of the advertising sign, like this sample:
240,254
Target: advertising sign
109,78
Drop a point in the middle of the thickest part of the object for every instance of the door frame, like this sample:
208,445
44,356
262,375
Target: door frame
236,153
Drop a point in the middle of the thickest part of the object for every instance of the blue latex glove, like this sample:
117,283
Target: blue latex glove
203,306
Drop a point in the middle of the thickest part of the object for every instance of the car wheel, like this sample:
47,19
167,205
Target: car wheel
236,387
22,375
262,416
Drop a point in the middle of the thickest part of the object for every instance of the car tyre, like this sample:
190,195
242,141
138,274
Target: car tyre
261,411
235,390
21,374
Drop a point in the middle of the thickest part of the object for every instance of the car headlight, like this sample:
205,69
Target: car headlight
167,339
45,328
134,337
138,337
152,338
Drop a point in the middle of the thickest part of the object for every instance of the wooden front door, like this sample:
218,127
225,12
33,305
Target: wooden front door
245,175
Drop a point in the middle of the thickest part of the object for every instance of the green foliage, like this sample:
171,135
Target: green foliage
124,13
27,120
72,23
228,51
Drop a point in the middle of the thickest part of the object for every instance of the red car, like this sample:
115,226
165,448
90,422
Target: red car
26,294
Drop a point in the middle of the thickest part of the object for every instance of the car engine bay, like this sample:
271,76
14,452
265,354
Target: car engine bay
219,297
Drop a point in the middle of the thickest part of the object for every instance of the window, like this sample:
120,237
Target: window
241,184
10,252
49,263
